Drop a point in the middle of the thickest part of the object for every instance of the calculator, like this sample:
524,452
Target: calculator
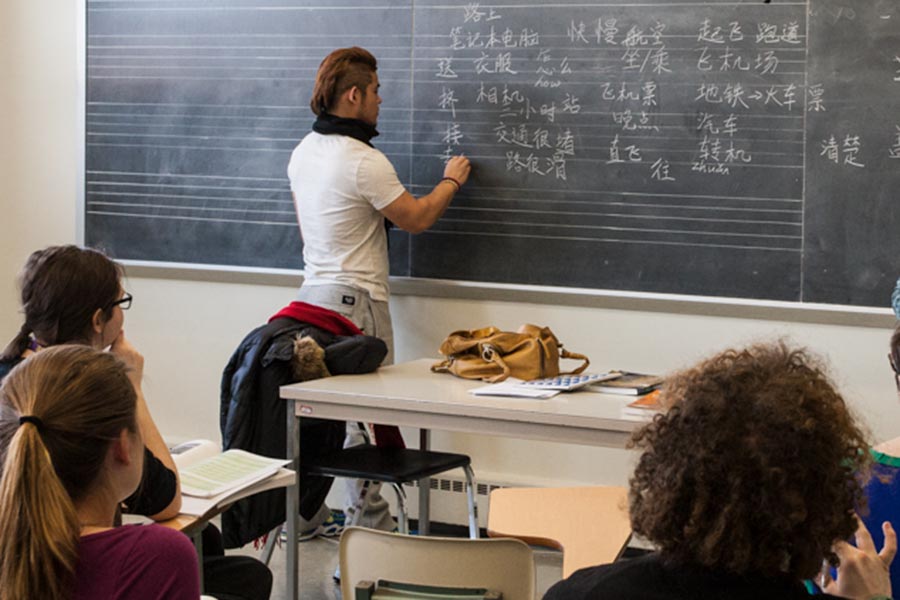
567,383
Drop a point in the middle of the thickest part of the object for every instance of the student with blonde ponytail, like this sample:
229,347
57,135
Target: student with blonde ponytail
71,451
73,295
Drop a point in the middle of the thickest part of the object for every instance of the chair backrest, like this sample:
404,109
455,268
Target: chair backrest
543,516
502,565
392,590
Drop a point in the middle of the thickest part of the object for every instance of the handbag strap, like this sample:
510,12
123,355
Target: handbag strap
442,366
574,355
490,354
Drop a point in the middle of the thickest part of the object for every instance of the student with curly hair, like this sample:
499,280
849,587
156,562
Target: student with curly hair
71,451
719,492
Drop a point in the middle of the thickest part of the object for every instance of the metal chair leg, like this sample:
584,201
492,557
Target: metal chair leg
367,439
402,512
356,510
470,497
269,547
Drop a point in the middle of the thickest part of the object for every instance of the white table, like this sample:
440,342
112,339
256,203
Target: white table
409,394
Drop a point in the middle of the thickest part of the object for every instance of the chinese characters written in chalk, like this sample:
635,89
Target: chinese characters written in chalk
845,153
624,91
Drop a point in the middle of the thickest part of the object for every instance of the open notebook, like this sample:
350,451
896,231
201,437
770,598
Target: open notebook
211,479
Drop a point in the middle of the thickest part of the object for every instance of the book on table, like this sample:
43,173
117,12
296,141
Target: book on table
211,479
643,408
629,384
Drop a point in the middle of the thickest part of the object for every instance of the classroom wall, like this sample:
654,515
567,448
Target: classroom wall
187,330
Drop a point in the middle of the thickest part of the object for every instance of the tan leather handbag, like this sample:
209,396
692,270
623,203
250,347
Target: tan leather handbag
493,355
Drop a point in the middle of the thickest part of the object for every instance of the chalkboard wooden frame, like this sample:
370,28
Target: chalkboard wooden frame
645,301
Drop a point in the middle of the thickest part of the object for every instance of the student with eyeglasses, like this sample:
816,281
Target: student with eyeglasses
73,295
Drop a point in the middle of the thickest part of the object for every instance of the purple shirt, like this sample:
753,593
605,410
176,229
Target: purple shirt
137,562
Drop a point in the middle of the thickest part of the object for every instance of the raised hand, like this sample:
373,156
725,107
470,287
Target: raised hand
864,572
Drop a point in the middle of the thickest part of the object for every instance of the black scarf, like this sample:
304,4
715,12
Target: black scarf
328,124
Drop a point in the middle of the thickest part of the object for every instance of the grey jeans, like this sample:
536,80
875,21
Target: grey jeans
374,318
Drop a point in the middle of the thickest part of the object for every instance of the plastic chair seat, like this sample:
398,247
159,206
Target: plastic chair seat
389,465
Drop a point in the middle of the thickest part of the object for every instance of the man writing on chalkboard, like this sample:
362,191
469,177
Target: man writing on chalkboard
344,189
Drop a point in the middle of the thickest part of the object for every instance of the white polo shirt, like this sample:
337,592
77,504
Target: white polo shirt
339,185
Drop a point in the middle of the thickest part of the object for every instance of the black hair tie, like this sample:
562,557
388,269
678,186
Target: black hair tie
36,421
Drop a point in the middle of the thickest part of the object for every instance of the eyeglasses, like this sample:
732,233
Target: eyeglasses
124,302
896,369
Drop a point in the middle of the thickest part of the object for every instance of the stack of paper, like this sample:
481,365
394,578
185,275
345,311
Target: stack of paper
513,387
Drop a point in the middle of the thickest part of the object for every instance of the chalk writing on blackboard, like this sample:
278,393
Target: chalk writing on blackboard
843,153
894,150
815,101
529,81
709,147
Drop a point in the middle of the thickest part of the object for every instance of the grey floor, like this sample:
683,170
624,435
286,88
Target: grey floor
318,559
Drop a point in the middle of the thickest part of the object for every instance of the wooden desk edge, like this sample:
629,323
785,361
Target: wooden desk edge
530,540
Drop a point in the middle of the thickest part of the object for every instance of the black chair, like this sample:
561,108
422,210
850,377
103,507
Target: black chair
395,466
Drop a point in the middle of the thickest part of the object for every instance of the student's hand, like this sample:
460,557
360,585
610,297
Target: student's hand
864,572
129,355
458,168
153,441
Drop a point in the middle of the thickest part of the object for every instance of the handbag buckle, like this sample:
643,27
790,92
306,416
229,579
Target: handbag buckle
488,352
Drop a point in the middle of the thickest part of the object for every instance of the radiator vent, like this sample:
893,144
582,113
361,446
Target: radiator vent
448,498
457,486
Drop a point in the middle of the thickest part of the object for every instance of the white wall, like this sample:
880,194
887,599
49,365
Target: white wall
187,330
38,107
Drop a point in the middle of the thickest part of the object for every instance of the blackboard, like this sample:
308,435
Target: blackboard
739,149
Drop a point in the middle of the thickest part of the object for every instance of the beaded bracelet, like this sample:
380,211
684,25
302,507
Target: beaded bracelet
453,181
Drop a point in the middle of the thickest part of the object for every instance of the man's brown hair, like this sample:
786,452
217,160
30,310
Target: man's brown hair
754,470
341,70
